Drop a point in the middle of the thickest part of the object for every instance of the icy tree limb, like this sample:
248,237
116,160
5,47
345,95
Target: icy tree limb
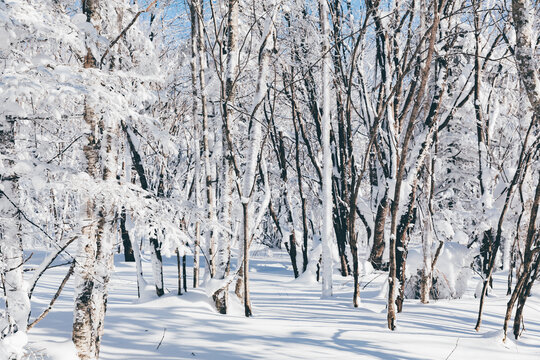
55,297
125,30
46,264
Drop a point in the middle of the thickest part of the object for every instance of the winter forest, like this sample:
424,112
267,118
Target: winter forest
279,179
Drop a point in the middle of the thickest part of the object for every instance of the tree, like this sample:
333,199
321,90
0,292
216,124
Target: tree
17,301
327,156
528,72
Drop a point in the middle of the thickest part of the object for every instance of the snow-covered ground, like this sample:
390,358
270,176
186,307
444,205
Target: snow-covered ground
290,321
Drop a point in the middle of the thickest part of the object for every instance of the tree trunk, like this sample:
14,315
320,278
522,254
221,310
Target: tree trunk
279,148
228,94
157,265
195,57
84,336
141,283
327,203
531,264
94,258
377,249
17,300
255,154
155,251
528,72
518,177
524,295
196,255
126,241
427,235
424,75
245,263
95,255
155,245
179,270
184,272
353,241
527,66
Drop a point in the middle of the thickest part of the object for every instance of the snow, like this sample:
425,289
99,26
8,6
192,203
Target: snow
290,321
12,344
4,39
56,350
451,271
461,237
445,228
143,86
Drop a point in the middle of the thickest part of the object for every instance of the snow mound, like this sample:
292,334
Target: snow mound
309,277
57,350
148,293
12,346
450,276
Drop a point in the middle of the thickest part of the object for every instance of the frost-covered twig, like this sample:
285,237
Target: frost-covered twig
19,265
60,153
454,349
55,297
162,337
47,264
125,30
20,212
370,281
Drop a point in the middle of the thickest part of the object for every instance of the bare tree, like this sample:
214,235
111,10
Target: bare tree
528,72
17,301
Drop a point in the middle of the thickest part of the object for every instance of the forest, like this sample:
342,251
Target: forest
280,179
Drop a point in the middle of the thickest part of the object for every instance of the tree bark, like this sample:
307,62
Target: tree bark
155,250
427,234
424,75
377,249
94,260
126,241
524,53
531,264
179,271
247,299
327,203
528,74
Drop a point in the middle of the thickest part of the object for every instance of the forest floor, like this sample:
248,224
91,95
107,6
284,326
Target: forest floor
290,320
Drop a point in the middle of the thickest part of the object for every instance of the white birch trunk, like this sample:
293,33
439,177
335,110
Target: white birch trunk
209,178
195,55
228,95
326,271
255,151
527,61
427,238
141,283
94,260
83,325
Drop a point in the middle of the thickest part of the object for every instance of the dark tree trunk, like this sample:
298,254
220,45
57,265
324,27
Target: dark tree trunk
179,268
184,271
129,256
157,261
247,301
531,265
154,243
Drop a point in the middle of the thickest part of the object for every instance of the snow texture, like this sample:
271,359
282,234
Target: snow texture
290,321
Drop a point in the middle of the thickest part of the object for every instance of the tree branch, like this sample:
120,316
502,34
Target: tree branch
125,31
55,297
